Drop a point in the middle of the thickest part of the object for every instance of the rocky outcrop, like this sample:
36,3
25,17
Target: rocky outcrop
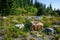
35,25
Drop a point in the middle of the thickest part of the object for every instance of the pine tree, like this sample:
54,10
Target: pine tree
5,6
31,2
35,1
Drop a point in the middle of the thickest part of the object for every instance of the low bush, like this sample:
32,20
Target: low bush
25,34
57,37
32,39
23,39
57,30
27,25
11,32
33,33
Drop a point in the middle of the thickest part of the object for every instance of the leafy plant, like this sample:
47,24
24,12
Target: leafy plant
57,30
27,25
18,11
25,34
23,39
32,39
31,10
11,32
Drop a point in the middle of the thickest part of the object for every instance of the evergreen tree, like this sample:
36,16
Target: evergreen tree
35,1
58,11
41,8
51,12
31,2
2,7
5,6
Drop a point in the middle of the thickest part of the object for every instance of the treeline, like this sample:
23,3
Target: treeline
26,7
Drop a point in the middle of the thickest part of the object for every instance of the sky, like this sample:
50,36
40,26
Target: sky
55,3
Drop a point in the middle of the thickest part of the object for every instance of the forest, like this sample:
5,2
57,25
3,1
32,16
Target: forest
26,7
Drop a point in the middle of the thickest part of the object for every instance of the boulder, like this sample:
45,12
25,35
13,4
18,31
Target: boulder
35,25
19,25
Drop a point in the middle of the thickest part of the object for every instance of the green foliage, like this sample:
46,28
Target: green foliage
5,7
46,21
8,5
25,34
41,11
58,18
31,10
57,30
18,11
54,13
11,32
33,33
47,24
23,39
22,3
45,38
51,12
12,20
27,24
7,35
22,11
57,37
1,21
25,7
32,39
58,11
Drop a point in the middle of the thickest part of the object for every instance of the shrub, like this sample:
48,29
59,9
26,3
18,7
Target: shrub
45,38
7,35
46,21
27,25
57,37
7,38
47,25
23,39
12,20
18,11
25,34
33,33
31,10
12,32
57,30
32,39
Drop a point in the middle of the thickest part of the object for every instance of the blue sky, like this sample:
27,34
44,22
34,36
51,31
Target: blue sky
55,3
